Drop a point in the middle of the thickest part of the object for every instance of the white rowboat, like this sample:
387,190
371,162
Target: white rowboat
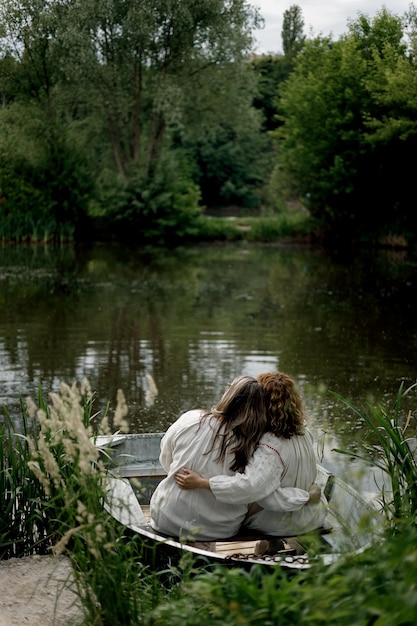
133,471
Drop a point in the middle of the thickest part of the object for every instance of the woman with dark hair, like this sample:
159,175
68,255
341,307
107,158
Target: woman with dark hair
220,441
280,479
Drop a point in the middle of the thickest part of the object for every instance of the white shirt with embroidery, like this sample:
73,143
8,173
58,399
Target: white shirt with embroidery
277,478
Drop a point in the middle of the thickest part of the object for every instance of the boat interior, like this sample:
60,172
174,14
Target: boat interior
349,525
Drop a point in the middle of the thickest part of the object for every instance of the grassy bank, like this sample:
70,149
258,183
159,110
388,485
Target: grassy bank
254,229
51,494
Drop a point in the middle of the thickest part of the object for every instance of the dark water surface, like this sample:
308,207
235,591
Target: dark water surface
195,318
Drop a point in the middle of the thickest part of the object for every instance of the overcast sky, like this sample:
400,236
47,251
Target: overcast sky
324,17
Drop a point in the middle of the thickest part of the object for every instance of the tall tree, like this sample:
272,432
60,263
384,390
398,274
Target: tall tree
292,34
138,75
140,61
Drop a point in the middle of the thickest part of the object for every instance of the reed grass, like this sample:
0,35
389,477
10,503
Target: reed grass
34,470
52,473
390,445
23,526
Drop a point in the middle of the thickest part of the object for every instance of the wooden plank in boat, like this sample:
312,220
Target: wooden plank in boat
140,470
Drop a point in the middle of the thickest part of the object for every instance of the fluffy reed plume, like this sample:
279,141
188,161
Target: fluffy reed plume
65,461
119,419
63,437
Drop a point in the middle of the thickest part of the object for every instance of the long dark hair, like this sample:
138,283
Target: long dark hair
241,421
283,404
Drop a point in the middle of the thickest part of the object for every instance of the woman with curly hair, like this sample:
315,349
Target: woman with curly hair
280,479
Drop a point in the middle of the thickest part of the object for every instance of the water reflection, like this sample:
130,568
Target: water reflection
193,319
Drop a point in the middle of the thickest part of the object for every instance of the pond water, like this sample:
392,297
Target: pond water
188,321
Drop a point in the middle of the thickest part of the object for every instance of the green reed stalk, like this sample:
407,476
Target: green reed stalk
393,453
23,527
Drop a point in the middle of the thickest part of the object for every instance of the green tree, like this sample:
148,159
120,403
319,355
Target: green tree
44,182
337,107
391,129
274,70
134,78
292,34
321,109
230,153
139,62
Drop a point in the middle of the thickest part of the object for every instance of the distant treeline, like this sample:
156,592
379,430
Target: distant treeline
127,119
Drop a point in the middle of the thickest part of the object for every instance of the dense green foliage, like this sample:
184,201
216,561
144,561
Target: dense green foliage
271,72
385,596
349,133
111,110
126,120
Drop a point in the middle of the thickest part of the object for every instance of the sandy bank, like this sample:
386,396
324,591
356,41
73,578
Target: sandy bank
35,591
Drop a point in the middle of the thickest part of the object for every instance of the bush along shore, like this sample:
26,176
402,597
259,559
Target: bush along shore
51,490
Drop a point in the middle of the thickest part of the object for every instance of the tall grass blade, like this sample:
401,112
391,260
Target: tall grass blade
393,453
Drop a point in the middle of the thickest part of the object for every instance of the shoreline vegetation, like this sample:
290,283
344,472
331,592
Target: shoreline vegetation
219,226
51,490
294,229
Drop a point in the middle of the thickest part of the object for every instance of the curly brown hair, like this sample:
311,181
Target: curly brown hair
285,411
